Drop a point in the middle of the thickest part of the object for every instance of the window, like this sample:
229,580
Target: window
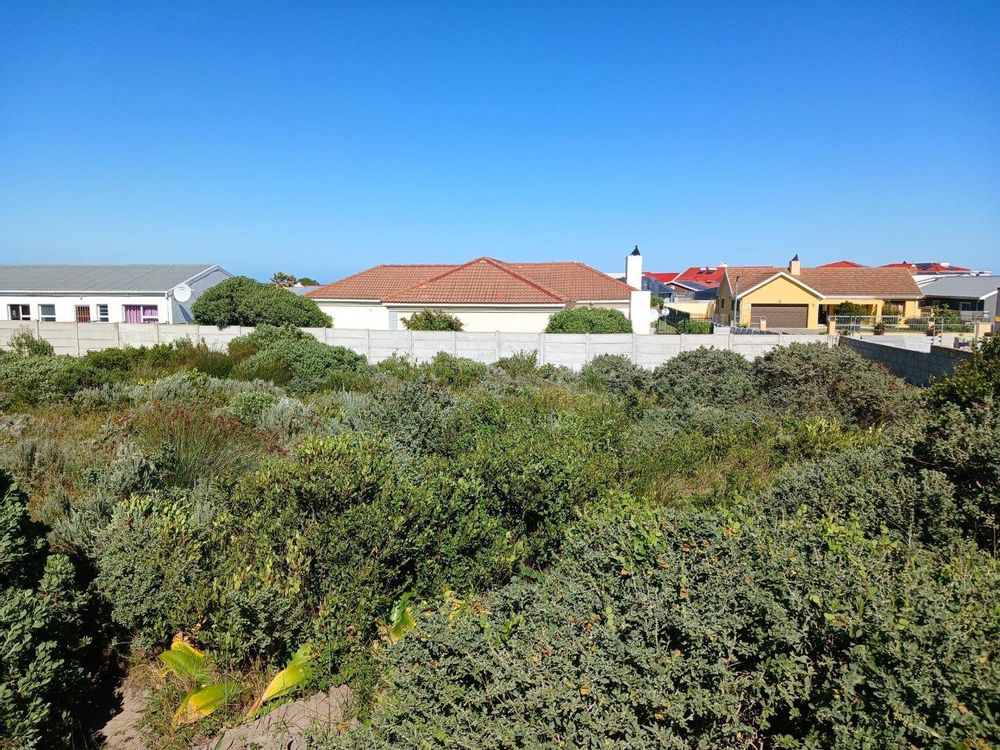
102,314
19,312
142,314
83,313
47,313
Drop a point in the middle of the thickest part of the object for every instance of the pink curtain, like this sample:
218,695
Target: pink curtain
150,314
133,314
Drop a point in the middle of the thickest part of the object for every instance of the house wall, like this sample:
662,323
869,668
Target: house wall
486,319
779,291
357,315
698,309
66,306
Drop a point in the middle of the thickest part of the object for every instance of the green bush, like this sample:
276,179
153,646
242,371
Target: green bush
684,631
589,320
241,301
26,344
293,358
615,373
973,381
39,379
851,309
432,320
693,326
705,376
47,621
832,382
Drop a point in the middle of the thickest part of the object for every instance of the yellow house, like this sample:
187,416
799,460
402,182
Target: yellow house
796,297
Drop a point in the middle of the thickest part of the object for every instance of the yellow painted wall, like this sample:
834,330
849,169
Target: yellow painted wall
780,291
694,308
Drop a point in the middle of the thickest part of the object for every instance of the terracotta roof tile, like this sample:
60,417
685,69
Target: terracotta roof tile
378,281
841,264
481,281
882,283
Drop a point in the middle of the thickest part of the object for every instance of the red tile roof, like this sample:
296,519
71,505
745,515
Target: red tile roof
663,278
934,267
841,264
480,281
879,283
703,275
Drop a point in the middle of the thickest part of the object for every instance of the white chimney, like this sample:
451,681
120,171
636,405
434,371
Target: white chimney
794,267
633,269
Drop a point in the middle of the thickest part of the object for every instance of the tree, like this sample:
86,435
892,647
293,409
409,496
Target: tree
432,320
589,320
241,301
283,279
307,281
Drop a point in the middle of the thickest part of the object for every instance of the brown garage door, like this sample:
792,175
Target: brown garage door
781,316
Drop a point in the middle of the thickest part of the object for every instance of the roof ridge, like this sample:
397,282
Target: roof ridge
490,261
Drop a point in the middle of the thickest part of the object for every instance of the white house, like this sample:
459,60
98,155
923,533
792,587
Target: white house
485,294
105,293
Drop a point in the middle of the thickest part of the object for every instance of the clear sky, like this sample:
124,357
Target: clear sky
320,139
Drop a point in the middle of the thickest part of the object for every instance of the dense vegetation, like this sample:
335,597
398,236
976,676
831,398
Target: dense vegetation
589,320
241,301
794,552
432,320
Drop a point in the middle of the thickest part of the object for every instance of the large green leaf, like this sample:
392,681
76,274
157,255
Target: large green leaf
200,703
291,676
185,661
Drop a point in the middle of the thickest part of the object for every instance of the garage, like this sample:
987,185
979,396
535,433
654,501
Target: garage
781,316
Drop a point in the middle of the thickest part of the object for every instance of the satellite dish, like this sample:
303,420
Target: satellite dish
182,292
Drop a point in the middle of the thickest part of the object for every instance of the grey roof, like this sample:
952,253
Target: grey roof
97,278
301,291
962,287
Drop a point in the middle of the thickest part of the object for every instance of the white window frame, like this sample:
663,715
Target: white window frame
103,313
24,311
46,317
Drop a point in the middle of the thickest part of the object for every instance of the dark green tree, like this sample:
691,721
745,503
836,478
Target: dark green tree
589,320
241,301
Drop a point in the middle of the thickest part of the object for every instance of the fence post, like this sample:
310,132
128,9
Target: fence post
497,346
541,348
412,351
454,343
586,347
368,343
78,338
635,349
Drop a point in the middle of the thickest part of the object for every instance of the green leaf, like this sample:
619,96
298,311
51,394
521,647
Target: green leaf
291,676
185,661
200,703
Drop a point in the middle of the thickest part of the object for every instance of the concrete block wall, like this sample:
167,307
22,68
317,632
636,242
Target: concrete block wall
913,365
569,350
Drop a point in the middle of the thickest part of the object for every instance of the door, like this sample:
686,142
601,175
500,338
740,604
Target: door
781,316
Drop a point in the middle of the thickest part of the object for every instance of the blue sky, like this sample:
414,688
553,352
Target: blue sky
320,139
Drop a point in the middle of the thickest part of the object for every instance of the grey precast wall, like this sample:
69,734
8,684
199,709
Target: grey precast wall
914,359
568,350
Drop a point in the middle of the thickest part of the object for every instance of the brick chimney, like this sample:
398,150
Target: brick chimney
794,267
633,269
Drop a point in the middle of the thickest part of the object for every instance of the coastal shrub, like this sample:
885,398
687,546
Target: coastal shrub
49,631
693,326
974,381
297,361
432,320
705,376
589,320
241,301
615,373
688,631
43,379
832,382
26,344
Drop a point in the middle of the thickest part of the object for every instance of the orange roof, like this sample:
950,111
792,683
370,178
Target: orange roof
480,281
879,283
841,264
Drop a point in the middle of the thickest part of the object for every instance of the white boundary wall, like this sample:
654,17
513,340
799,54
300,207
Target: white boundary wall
568,349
